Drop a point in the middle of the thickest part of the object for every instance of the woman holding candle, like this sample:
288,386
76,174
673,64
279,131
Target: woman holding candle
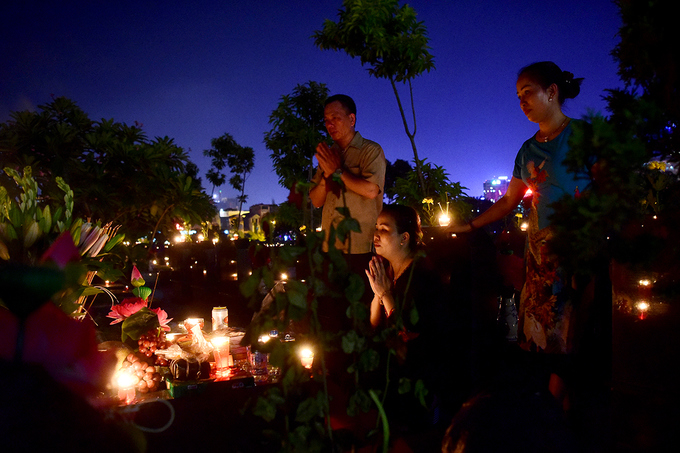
548,296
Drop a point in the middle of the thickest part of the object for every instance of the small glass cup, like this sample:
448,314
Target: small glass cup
258,365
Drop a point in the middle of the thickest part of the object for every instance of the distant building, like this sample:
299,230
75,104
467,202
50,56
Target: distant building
253,221
495,188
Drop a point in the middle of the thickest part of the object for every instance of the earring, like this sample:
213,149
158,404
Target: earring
549,99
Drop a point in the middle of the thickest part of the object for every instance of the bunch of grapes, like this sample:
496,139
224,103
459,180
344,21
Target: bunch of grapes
148,379
150,342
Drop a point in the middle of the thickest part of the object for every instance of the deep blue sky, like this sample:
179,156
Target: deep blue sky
194,72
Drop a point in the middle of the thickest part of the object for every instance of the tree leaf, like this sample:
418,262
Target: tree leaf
307,410
138,324
297,293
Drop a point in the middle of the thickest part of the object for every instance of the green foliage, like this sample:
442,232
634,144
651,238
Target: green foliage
388,39
623,191
240,160
632,203
383,35
31,224
117,175
297,128
27,225
138,324
399,169
441,195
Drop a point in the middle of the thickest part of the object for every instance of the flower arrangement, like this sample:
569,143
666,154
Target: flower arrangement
33,226
135,315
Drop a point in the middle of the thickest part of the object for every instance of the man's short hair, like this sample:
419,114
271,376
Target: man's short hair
344,100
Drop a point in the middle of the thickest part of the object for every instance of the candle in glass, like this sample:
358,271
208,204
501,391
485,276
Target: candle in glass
221,351
306,357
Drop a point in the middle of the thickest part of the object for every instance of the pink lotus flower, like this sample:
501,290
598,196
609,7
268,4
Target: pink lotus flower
125,309
162,318
136,278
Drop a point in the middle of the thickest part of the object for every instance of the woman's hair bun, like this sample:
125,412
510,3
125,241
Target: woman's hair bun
571,86
545,73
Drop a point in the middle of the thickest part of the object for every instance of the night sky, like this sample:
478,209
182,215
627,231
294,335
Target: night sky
194,72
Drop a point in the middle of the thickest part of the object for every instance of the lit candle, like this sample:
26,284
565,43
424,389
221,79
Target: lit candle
221,351
306,357
126,386
643,307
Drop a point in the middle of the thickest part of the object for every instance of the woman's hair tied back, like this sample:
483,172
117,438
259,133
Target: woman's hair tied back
545,73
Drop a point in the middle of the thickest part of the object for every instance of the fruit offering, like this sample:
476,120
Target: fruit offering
150,342
148,379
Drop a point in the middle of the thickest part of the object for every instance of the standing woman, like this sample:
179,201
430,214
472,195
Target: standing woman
548,295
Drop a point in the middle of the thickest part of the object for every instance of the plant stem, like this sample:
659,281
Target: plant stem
383,417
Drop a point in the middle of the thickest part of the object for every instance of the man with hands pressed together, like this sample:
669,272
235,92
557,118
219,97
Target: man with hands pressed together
360,164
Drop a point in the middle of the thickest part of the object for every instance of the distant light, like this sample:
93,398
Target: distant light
284,276
524,226
642,306
645,282
444,219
